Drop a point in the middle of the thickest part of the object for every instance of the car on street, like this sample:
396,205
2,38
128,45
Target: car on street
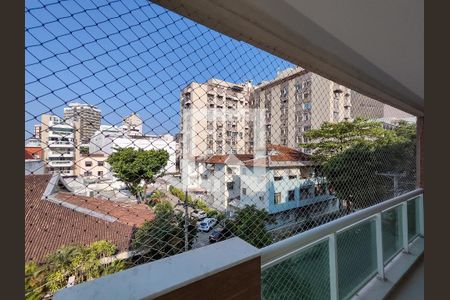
198,214
218,235
207,224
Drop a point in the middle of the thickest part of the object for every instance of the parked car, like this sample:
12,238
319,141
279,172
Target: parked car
207,224
199,214
218,235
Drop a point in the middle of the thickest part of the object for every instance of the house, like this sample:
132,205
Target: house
54,217
281,180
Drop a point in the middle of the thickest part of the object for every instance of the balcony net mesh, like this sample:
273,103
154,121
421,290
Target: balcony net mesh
130,107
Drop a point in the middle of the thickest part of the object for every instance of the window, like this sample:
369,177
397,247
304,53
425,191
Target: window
306,128
307,106
87,173
291,195
305,95
229,170
230,185
101,163
284,91
88,163
292,176
244,191
100,173
277,198
306,116
277,178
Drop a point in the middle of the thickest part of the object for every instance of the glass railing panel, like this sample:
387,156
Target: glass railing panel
357,257
306,275
392,232
413,219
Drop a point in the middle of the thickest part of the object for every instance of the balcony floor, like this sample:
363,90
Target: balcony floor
411,286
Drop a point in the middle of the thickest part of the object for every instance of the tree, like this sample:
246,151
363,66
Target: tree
356,173
163,236
135,167
82,262
334,138
250,225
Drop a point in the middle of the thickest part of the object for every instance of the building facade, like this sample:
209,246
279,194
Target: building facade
93,167
211,120
282,182
89,118
110,138
298,100
58,142
132,125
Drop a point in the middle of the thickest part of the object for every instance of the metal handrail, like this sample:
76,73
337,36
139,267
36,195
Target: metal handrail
284,249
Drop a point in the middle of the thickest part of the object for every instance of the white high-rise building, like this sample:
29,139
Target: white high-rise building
58,144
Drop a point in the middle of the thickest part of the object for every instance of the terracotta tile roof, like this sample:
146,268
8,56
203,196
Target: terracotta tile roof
48,226
280,154
220,159
28,155
287,154
127,213
35,152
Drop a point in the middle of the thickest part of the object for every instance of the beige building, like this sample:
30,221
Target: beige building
58,142
132,125
212,119
298,100
93,166
89,117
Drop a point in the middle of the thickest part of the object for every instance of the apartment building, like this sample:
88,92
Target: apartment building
213,118
89,117
58,141
298,100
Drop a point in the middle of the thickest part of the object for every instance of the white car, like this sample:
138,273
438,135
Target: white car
199,214
207,224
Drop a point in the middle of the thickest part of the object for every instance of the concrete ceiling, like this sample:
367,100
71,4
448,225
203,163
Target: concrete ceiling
373,47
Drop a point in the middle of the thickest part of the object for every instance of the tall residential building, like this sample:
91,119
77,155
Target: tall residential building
210,118
58,144
298,100
89,117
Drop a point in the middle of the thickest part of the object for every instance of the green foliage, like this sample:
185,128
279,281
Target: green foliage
250,225
156,197
134,166
354,172
334,138
84,150
163,236
73,260
34,281
197,203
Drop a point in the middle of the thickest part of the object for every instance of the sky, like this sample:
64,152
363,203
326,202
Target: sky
126,56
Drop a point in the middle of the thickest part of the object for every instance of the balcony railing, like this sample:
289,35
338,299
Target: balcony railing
346,253
332,261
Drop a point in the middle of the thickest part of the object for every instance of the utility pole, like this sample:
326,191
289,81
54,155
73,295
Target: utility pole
186,222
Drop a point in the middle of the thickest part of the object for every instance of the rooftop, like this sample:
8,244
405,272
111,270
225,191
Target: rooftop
50,225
